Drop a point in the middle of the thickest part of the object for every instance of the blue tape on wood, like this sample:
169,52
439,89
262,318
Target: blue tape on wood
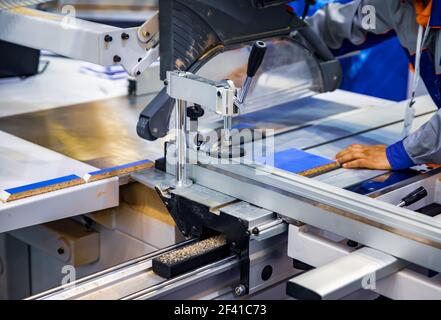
118,170
40,187
298,161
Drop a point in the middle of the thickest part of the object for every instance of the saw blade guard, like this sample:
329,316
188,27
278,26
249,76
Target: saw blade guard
289,72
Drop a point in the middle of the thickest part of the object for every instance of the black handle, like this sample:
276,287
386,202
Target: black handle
256,57
155,118
414,196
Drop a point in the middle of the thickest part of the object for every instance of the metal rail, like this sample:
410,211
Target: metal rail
83,286
399,232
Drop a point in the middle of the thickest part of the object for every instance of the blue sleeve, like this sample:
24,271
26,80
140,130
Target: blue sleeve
398,157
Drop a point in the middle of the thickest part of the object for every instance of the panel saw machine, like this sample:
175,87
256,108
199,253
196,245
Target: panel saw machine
376,215
249,177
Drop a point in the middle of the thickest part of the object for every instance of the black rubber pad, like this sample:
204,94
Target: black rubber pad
193,256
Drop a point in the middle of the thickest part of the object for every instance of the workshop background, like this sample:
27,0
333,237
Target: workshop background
381,71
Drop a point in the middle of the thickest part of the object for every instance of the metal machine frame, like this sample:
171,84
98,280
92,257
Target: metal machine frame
271,219
134,48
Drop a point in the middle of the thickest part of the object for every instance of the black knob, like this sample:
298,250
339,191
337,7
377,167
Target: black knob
256,57
414,196
195,112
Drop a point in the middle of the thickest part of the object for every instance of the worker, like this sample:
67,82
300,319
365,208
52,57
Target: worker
416,23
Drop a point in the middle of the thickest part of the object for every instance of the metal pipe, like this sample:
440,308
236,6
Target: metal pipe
181,178
244,91
240,100
227,130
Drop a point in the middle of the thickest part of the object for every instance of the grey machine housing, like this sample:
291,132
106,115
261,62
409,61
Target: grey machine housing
194,29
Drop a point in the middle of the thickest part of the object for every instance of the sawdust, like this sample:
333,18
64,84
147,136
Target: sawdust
190,251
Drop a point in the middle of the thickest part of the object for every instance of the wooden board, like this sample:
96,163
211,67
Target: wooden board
299,162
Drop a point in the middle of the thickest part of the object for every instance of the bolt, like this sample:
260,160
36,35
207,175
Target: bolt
255,231
60,251
240,290
165,83
117,59
108,38
125,36
138,73
139,60
147,34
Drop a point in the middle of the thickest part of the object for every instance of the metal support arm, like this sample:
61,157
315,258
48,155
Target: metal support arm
83,40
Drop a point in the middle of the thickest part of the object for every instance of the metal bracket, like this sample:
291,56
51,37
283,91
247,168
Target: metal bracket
83,40
217,96
196,220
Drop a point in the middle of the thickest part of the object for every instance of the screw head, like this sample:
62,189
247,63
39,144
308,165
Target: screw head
117,59
125,36
108,38
240,290
60,251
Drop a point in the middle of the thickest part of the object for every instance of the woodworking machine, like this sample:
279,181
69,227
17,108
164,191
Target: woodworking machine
250,125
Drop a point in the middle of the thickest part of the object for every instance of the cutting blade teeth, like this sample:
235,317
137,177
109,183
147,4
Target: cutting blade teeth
11,4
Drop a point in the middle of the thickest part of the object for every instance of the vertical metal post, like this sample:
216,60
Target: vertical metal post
181,179
228,119
227,130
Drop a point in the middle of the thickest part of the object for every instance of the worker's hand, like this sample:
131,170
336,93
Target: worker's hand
362,156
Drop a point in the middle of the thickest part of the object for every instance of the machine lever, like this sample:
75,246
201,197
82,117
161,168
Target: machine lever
254,62
413,197
256,57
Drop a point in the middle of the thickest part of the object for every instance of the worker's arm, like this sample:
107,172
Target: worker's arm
424,145
347,27
421,147
343,28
